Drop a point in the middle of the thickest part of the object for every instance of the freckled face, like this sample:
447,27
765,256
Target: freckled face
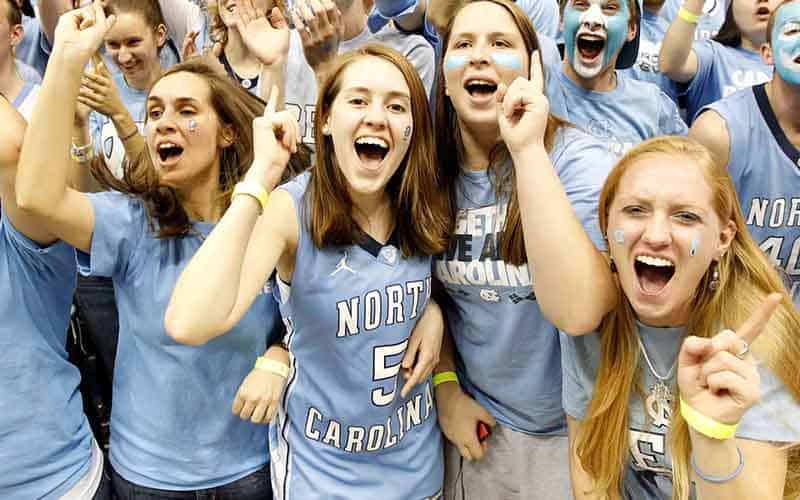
671,233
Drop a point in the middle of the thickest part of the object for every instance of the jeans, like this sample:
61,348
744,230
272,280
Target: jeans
256,486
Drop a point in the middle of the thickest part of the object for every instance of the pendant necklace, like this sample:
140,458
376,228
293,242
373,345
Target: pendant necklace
658,403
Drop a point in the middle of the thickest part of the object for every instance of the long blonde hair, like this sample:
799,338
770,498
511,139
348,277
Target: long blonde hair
746,278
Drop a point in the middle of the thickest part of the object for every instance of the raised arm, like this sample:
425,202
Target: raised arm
407,14
12,125
223,278
677,60
41,184
573,282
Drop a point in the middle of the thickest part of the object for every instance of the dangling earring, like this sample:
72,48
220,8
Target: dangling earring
713,284
612,265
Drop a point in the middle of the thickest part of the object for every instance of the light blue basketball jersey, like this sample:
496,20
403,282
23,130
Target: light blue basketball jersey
34,49
622,118
508,353
45,440
710,22
106,139
343,431
648,474
721,71
765,167
653,28
171,424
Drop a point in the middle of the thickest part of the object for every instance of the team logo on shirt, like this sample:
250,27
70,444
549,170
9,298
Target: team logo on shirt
342,266
389,255
490,295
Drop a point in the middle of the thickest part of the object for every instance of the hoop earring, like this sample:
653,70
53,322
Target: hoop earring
713,284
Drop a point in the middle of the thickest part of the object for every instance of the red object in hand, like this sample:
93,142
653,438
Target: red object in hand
483,432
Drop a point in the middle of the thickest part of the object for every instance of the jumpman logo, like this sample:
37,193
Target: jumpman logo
342,266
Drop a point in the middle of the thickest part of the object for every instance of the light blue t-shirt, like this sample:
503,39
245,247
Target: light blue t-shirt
343,431
45,439
508,353
652,28
648,473
34,49
721,71
27,73
710,22
106,139
171,424
621,118
765,168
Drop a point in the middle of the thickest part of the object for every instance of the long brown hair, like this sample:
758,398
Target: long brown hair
746,277
421,212
450,145
235,108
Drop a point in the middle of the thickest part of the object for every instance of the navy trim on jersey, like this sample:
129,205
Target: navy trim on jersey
372,246
791,152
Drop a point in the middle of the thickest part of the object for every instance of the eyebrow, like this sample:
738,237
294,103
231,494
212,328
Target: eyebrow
391,93
178,102
493,34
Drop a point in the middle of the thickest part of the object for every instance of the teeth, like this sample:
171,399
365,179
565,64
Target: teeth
166,145
591,37
479,82
375,141
654,261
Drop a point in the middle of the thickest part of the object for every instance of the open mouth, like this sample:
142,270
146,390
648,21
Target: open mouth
763,11
797,59
371,150
480,88
653,273
169,152
590,46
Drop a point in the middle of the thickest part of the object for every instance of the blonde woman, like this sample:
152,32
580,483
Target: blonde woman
669,399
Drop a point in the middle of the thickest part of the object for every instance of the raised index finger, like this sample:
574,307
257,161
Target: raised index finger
755,324
536,71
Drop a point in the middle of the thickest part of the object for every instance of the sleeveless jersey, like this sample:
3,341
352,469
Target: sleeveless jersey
765,168
343,431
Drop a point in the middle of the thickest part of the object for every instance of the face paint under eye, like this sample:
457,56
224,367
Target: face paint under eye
454,62
786,47
511,61
613,28
695,245
407,133
192,125
619,236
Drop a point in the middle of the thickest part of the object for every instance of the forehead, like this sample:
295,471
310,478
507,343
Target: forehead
789,12
481,17
663,179
623,4
182,85
128,24
377,75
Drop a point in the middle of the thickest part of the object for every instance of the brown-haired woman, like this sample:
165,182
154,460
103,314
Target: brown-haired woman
351,241
171,431
657,394
525,186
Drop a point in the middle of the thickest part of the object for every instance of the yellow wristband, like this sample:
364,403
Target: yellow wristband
441,378
706,425
688,16
254,190
272,366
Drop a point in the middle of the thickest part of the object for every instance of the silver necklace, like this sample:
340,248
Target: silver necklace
658,403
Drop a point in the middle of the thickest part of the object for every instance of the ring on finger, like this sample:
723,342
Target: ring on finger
743,351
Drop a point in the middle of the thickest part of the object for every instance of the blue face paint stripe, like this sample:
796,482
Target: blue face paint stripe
454,62
617,31
619,236
511,61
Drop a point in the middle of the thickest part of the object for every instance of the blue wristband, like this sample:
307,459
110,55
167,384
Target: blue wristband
719,479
